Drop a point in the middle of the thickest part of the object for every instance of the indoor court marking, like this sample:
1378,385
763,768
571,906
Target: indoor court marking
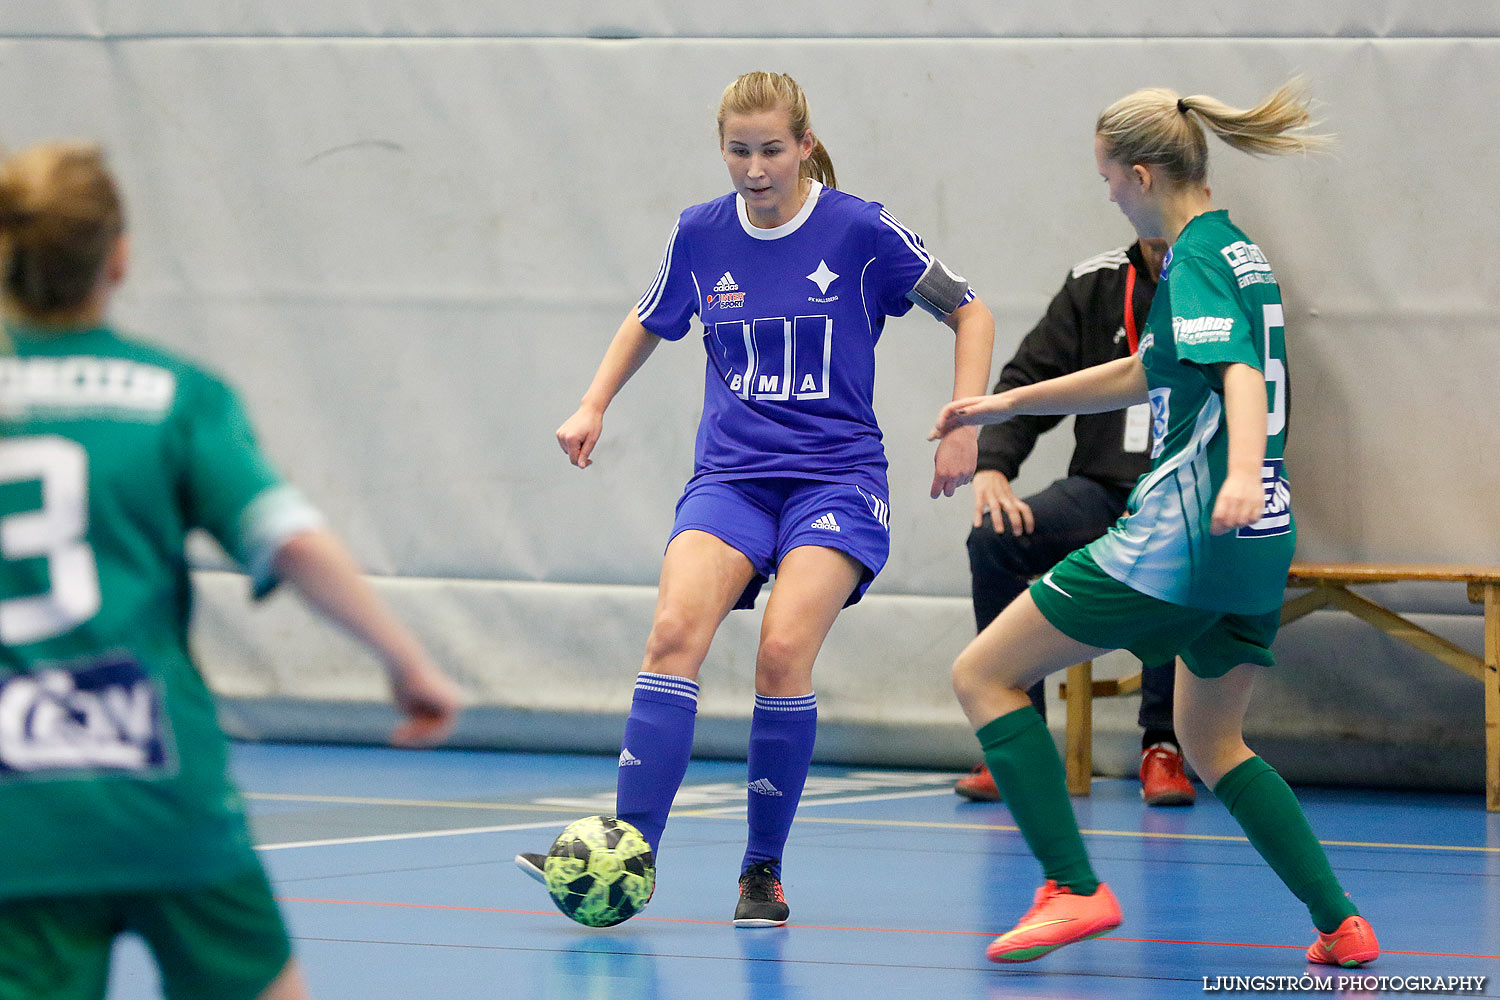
392,889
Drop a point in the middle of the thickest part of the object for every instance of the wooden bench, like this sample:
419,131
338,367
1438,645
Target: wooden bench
1329,585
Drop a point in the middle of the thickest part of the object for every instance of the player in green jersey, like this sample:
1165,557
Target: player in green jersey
1196,567
118,814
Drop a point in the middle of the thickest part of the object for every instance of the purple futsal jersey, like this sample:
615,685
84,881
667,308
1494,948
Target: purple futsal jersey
791,317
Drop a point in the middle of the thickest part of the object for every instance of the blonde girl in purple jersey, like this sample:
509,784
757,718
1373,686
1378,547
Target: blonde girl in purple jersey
792,281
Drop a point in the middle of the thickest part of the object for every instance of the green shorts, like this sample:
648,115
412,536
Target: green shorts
1088,605
225,941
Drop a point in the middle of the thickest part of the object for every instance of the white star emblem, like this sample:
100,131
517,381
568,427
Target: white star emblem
822,277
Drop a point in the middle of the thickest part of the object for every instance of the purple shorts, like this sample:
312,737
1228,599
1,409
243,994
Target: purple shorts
767,518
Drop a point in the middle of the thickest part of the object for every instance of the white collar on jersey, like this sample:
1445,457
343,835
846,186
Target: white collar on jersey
788,227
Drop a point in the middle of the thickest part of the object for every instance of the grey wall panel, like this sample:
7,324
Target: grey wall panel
410,253
440,238
773,18
549,667
576,648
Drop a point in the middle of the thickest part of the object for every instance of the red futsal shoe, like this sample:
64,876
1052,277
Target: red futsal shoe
1059,916
1163,782
978,785
1353,944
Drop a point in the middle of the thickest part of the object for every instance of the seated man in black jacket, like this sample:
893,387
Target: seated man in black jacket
1094,318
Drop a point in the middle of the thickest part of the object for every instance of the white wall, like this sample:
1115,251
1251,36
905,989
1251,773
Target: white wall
407,232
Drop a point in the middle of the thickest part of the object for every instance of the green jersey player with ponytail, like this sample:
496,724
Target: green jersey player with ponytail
1196,567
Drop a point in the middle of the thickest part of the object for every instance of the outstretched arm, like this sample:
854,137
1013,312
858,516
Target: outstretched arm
320,568
1110,386
973,344
629,349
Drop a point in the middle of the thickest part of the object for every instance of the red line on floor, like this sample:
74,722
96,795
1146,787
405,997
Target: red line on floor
831,927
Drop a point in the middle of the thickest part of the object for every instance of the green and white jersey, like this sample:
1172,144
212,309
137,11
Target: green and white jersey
112,764
1217,303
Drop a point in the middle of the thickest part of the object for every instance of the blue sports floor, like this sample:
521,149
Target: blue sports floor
394,870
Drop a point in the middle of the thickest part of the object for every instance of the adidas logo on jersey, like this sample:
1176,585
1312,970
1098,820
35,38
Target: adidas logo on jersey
763,786
627,758
827,523
726,284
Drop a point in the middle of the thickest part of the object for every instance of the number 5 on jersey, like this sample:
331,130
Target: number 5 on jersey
1275,319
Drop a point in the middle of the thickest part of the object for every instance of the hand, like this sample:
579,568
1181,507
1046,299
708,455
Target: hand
579,433
1241,501
953,465
429,700
969,411
992,493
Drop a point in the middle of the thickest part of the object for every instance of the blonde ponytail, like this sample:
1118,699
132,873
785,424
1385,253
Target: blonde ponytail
1158,128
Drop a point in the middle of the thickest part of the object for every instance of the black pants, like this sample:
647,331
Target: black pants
1069,514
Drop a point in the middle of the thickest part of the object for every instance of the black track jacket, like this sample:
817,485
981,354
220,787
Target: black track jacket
1084,326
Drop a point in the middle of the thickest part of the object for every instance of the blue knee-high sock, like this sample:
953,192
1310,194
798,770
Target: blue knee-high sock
782,731
654,754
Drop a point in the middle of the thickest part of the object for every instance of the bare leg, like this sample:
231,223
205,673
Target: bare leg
1017,649
1209,715
289,985
702,577
812,584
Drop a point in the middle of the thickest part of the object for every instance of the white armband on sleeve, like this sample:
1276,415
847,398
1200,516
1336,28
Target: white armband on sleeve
939,290
269,522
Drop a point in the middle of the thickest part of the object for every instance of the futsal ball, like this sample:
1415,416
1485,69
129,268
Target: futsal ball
600,871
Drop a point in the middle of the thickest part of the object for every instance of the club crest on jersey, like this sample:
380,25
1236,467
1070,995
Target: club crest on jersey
822,277
1276,517
103,715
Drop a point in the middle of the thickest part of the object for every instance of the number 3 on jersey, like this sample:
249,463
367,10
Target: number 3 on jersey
776,358
55,532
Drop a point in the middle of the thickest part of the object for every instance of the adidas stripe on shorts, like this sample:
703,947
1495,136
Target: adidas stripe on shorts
767,518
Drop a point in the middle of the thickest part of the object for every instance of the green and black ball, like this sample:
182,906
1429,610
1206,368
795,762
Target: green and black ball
600,871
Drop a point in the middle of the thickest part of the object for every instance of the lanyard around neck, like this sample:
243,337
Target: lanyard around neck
1132,337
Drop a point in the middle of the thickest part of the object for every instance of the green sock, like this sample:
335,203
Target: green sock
1022,757
1260,801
